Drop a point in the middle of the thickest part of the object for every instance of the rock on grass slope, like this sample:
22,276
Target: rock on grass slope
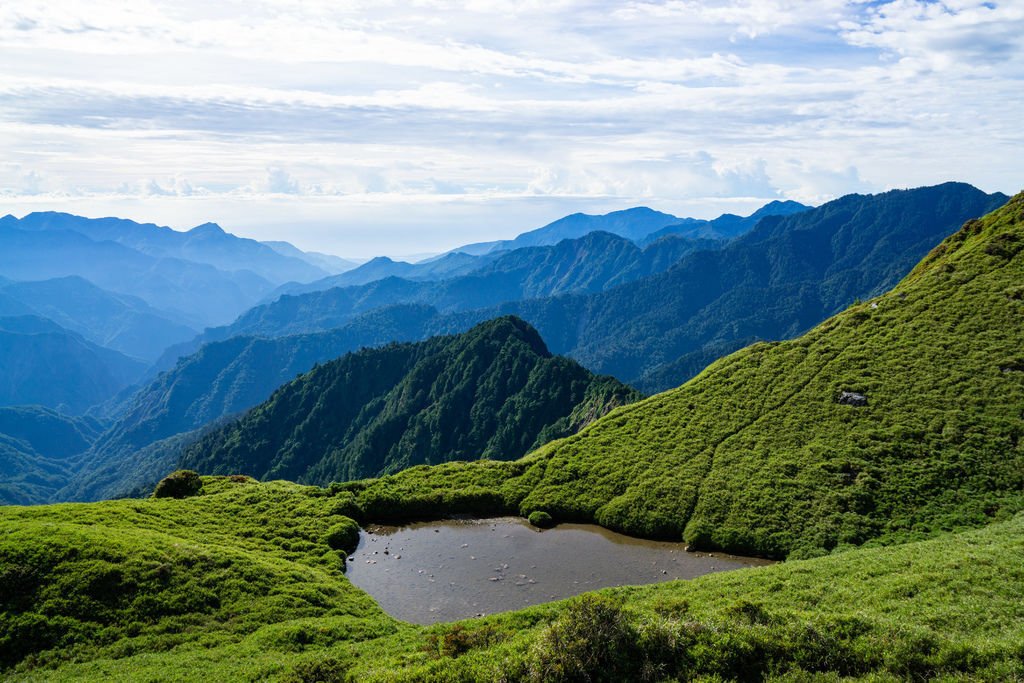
759,455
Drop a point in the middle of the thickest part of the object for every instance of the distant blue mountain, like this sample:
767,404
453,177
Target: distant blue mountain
117,321
727,225
327,262
198,278
639,224
37,447
440,268
596,261
44,364
633,224
207,243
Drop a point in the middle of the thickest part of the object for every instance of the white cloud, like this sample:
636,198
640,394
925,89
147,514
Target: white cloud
361,115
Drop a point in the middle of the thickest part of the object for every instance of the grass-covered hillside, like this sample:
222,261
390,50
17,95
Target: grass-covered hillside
762,453
494,392
244,582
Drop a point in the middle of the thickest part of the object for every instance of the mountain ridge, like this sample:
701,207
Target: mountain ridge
492,392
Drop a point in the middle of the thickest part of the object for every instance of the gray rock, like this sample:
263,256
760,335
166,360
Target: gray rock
852,398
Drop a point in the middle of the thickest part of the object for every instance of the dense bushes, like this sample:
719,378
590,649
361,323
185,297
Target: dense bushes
593,640
541,519
343,536
179,484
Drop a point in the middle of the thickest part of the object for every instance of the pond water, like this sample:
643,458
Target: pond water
454,569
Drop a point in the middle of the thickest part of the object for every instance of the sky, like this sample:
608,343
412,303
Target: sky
402,128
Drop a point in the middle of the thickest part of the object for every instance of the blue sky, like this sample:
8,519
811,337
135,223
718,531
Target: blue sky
364,128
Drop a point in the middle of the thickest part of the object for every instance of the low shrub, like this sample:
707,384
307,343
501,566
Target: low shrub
179,484
343,536
458,640
593,640
541,519
326,670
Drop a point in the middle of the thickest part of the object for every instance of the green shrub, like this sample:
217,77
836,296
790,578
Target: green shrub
541,519
593,640
458,640
326,670
344,535
179,484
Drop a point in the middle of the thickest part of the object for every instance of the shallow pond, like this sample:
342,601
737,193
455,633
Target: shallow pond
453,569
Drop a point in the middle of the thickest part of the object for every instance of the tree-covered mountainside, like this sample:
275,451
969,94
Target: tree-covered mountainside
223,378
117,321
727,225
492,392
243,582
36,447
592,263
45,364
899,418
774,282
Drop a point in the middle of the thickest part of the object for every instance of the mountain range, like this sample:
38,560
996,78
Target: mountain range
198,278
121,322
639,224
880,453
207,243
655,316
492,392
42,363
659,330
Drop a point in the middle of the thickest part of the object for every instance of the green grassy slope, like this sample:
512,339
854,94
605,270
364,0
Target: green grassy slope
239,584
114,579
758,455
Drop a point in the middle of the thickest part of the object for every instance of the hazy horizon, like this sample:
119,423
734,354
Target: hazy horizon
362,129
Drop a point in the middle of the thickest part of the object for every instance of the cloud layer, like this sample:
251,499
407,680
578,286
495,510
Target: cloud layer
400,127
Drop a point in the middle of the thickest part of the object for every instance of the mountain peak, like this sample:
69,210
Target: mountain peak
512,327
207,229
